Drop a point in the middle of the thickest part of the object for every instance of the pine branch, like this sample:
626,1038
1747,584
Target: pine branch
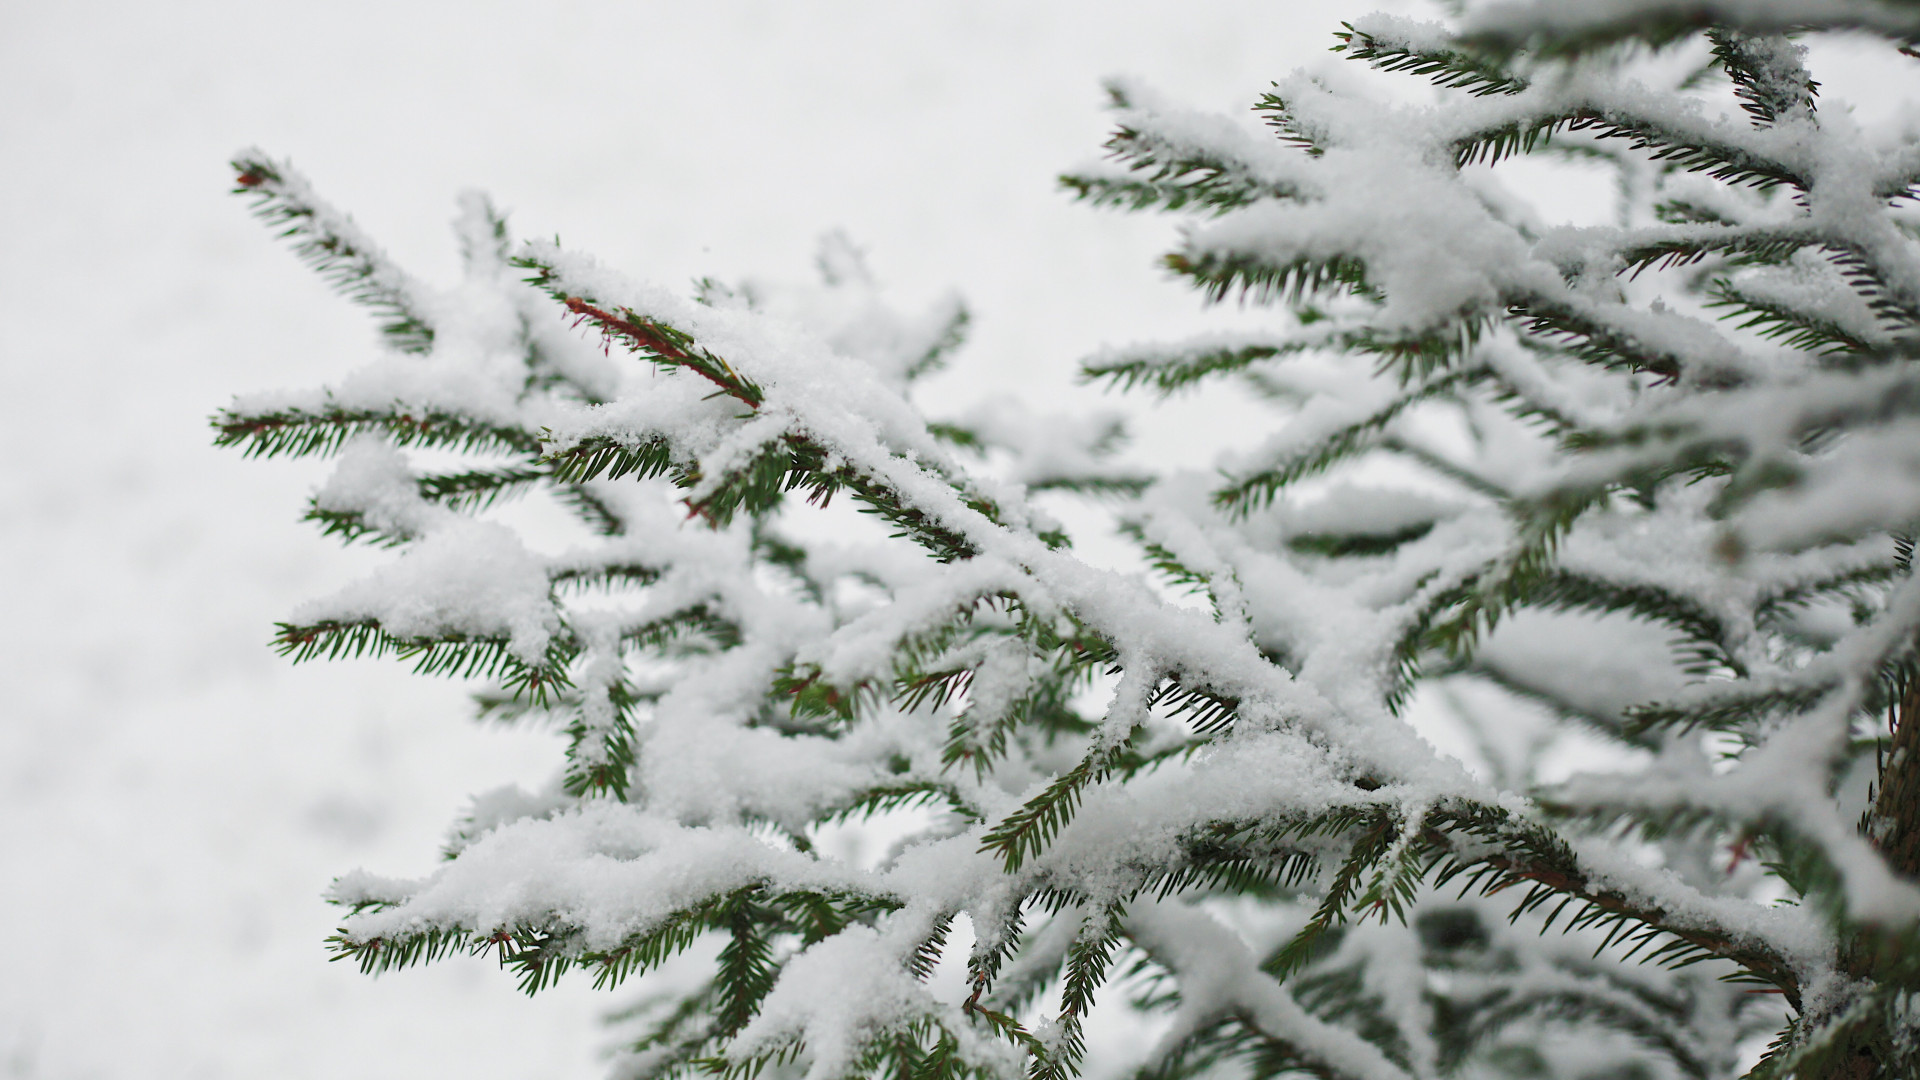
1256,490
478,489
1738,245
299,432
1344,545
952,335
600,752
335,248
600,456
1449,68
1767,75
746,967
1167,176
1087,963
1176,369
663,344
1526,570
1740,708
1706,644
906,795
450,655
1693,151
1257,279
1582,334
1526,854
1208,715
1790,326
1025,833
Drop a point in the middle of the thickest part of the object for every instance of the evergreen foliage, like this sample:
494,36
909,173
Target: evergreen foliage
1635,498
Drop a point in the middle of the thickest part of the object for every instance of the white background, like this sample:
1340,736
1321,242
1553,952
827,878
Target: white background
173,797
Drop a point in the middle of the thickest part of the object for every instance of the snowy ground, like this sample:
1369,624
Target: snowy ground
172,796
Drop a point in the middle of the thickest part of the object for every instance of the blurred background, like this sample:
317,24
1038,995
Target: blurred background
174,797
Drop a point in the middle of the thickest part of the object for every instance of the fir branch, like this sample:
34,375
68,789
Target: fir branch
606,575
1287,126
665,939
1372,832
478,489
474,490
1692,151
375,956
952,335
1253,491
1171,172
905,795
330,243
796,462
1167,176
1494,851
1262,281
485,245
1087,963
1657,1030
1740,707
600,752
664,345
299,432
1790,326
1707,647
746,965
1586,336
600,456
1449,68
1171,568
1442,466
1025,833
1207,714
1738,245
1515,682
1898,313
1526,570
1423,353
1176,369
1768,78
1778,601
352,525
1094,484
1350,544
667,1047
451,655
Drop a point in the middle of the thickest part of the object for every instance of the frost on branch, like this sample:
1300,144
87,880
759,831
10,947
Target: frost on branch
1627,509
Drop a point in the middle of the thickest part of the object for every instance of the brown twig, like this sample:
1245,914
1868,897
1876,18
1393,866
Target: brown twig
646,336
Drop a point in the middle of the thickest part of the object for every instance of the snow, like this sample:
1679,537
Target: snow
189,792
475,579
1307,649
602,869
375,481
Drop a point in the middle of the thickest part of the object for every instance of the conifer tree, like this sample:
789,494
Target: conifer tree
1645,491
